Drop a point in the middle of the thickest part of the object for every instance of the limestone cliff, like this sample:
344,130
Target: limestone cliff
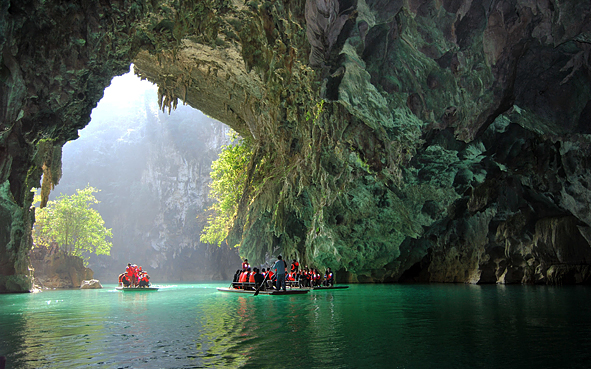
437,140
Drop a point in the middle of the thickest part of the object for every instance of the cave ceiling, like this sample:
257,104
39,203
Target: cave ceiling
402,140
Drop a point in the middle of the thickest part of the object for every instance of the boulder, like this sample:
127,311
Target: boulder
91,284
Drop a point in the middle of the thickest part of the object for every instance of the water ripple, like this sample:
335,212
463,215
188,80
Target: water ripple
194,326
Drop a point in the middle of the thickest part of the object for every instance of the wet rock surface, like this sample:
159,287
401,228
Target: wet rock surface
92,284
396,140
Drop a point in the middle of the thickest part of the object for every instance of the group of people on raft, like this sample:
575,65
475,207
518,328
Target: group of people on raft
134,276
305,277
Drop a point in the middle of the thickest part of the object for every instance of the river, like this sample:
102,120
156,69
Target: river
365,326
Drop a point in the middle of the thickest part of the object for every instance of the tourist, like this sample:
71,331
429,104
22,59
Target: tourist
317,277
295,266
279,268
136,275
130,271
245,265
267,274
123,280
236,276
145,279
244,276
258,279
306,277
270,278
329,278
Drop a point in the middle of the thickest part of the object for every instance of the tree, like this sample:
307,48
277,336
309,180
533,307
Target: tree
228,175
71,222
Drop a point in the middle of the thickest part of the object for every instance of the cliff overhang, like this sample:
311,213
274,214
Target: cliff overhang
415,140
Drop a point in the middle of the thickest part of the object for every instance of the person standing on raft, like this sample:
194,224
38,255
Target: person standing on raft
279,268
130,271
245,265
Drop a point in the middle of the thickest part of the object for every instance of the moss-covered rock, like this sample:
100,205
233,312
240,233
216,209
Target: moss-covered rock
395,140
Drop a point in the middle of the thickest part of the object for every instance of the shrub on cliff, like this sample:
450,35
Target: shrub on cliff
228,175
70,221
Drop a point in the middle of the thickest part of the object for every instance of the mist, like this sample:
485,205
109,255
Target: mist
152,170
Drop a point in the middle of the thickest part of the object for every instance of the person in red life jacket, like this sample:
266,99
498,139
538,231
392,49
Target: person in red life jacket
295,266
266,278
144,280
270,278
329,278
139,273
130,271
123,280
251,277
244,276
302,277
305,278
245,265
136,275
317,277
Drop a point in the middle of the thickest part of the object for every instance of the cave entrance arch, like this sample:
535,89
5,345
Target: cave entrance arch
152,169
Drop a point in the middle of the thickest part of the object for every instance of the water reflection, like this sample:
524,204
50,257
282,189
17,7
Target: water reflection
452,326
221,325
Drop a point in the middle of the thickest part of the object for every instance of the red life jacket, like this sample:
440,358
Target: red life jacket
245,266
251,278
130,271
243,277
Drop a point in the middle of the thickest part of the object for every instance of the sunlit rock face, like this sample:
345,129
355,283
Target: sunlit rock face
396,140
57,269
152,169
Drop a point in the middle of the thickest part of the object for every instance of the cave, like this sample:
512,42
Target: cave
438,131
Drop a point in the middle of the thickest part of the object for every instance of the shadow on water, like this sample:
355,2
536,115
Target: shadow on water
381,326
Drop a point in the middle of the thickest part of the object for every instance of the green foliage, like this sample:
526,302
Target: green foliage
315,113
70,221
228,174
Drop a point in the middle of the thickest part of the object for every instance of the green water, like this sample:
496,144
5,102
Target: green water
366,326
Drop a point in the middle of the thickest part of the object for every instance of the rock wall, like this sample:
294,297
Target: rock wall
57,269
440,140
